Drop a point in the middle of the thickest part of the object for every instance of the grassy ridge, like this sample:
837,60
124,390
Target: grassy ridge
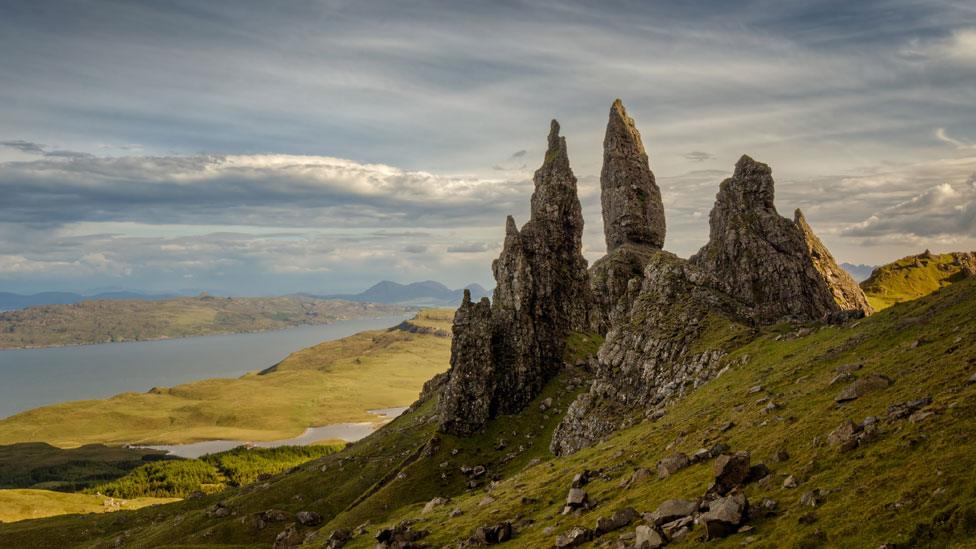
911,278
107,321
26,504
333,382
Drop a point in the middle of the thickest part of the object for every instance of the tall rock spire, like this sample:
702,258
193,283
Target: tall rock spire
541,295
846,292
632,208
633,215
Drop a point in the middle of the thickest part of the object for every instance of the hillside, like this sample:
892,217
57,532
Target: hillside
18,505
106,321
333,382
915,276
925,347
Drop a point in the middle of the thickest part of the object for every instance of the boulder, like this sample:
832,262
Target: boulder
574,537
673,509
647,538
672,464
619,519
731,470
725,515
435,503
289,537
844,437
338,538
308,518
641,474
863,386
493,534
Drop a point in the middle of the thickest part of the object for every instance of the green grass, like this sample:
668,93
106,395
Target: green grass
910,278
333,382
912,486
22,504
138,320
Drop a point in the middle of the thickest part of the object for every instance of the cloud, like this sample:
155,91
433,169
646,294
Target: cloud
260,190
24,146
941,135
698,156
415,248
468,248
940,211
518,155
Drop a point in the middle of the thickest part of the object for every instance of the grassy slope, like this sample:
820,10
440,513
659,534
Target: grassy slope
333,382
32,504
910,278
913,485
135,320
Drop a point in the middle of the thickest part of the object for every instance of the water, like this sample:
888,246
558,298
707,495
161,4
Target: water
35,377
349,432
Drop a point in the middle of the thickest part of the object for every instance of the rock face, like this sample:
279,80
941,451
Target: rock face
632,208
542,294
633,215
759,257
846,292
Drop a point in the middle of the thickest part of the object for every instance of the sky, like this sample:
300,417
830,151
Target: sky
251,147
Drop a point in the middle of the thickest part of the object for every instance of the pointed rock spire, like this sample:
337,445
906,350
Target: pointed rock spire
541,295
632,208
845,290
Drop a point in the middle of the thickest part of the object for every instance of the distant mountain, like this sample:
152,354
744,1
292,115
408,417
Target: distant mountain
426,293
9,301
860,272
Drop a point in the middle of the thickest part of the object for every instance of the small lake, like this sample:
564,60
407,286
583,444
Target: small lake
349,432
35,377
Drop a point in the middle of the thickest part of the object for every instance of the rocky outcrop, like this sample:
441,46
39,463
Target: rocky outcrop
652,353
633,215
846,292
466,399
542,294
759,257
632,208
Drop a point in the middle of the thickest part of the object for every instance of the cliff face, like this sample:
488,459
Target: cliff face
759,257
633,215
542,294
846,292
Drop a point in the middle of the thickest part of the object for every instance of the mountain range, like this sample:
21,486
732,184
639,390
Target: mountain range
428,293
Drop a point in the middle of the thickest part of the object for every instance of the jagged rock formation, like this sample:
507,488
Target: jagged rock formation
633,215
542,294
758,256
632,208
652,353
846,292
669,333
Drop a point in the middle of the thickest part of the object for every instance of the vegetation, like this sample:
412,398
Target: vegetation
211,473
333,382
40,465
911,278
914,480
34,504
109,321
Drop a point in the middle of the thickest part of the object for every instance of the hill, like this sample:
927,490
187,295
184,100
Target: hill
10,300
915,276
859,271
425,294
333,382
16,505
109,321
40,465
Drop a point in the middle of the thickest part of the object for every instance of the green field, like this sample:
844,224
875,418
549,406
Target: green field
333,382
33,504
108,321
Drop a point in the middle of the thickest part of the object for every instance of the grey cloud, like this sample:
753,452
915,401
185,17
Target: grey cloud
24,146
698,156
468,248
415,248
940,211
518,154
